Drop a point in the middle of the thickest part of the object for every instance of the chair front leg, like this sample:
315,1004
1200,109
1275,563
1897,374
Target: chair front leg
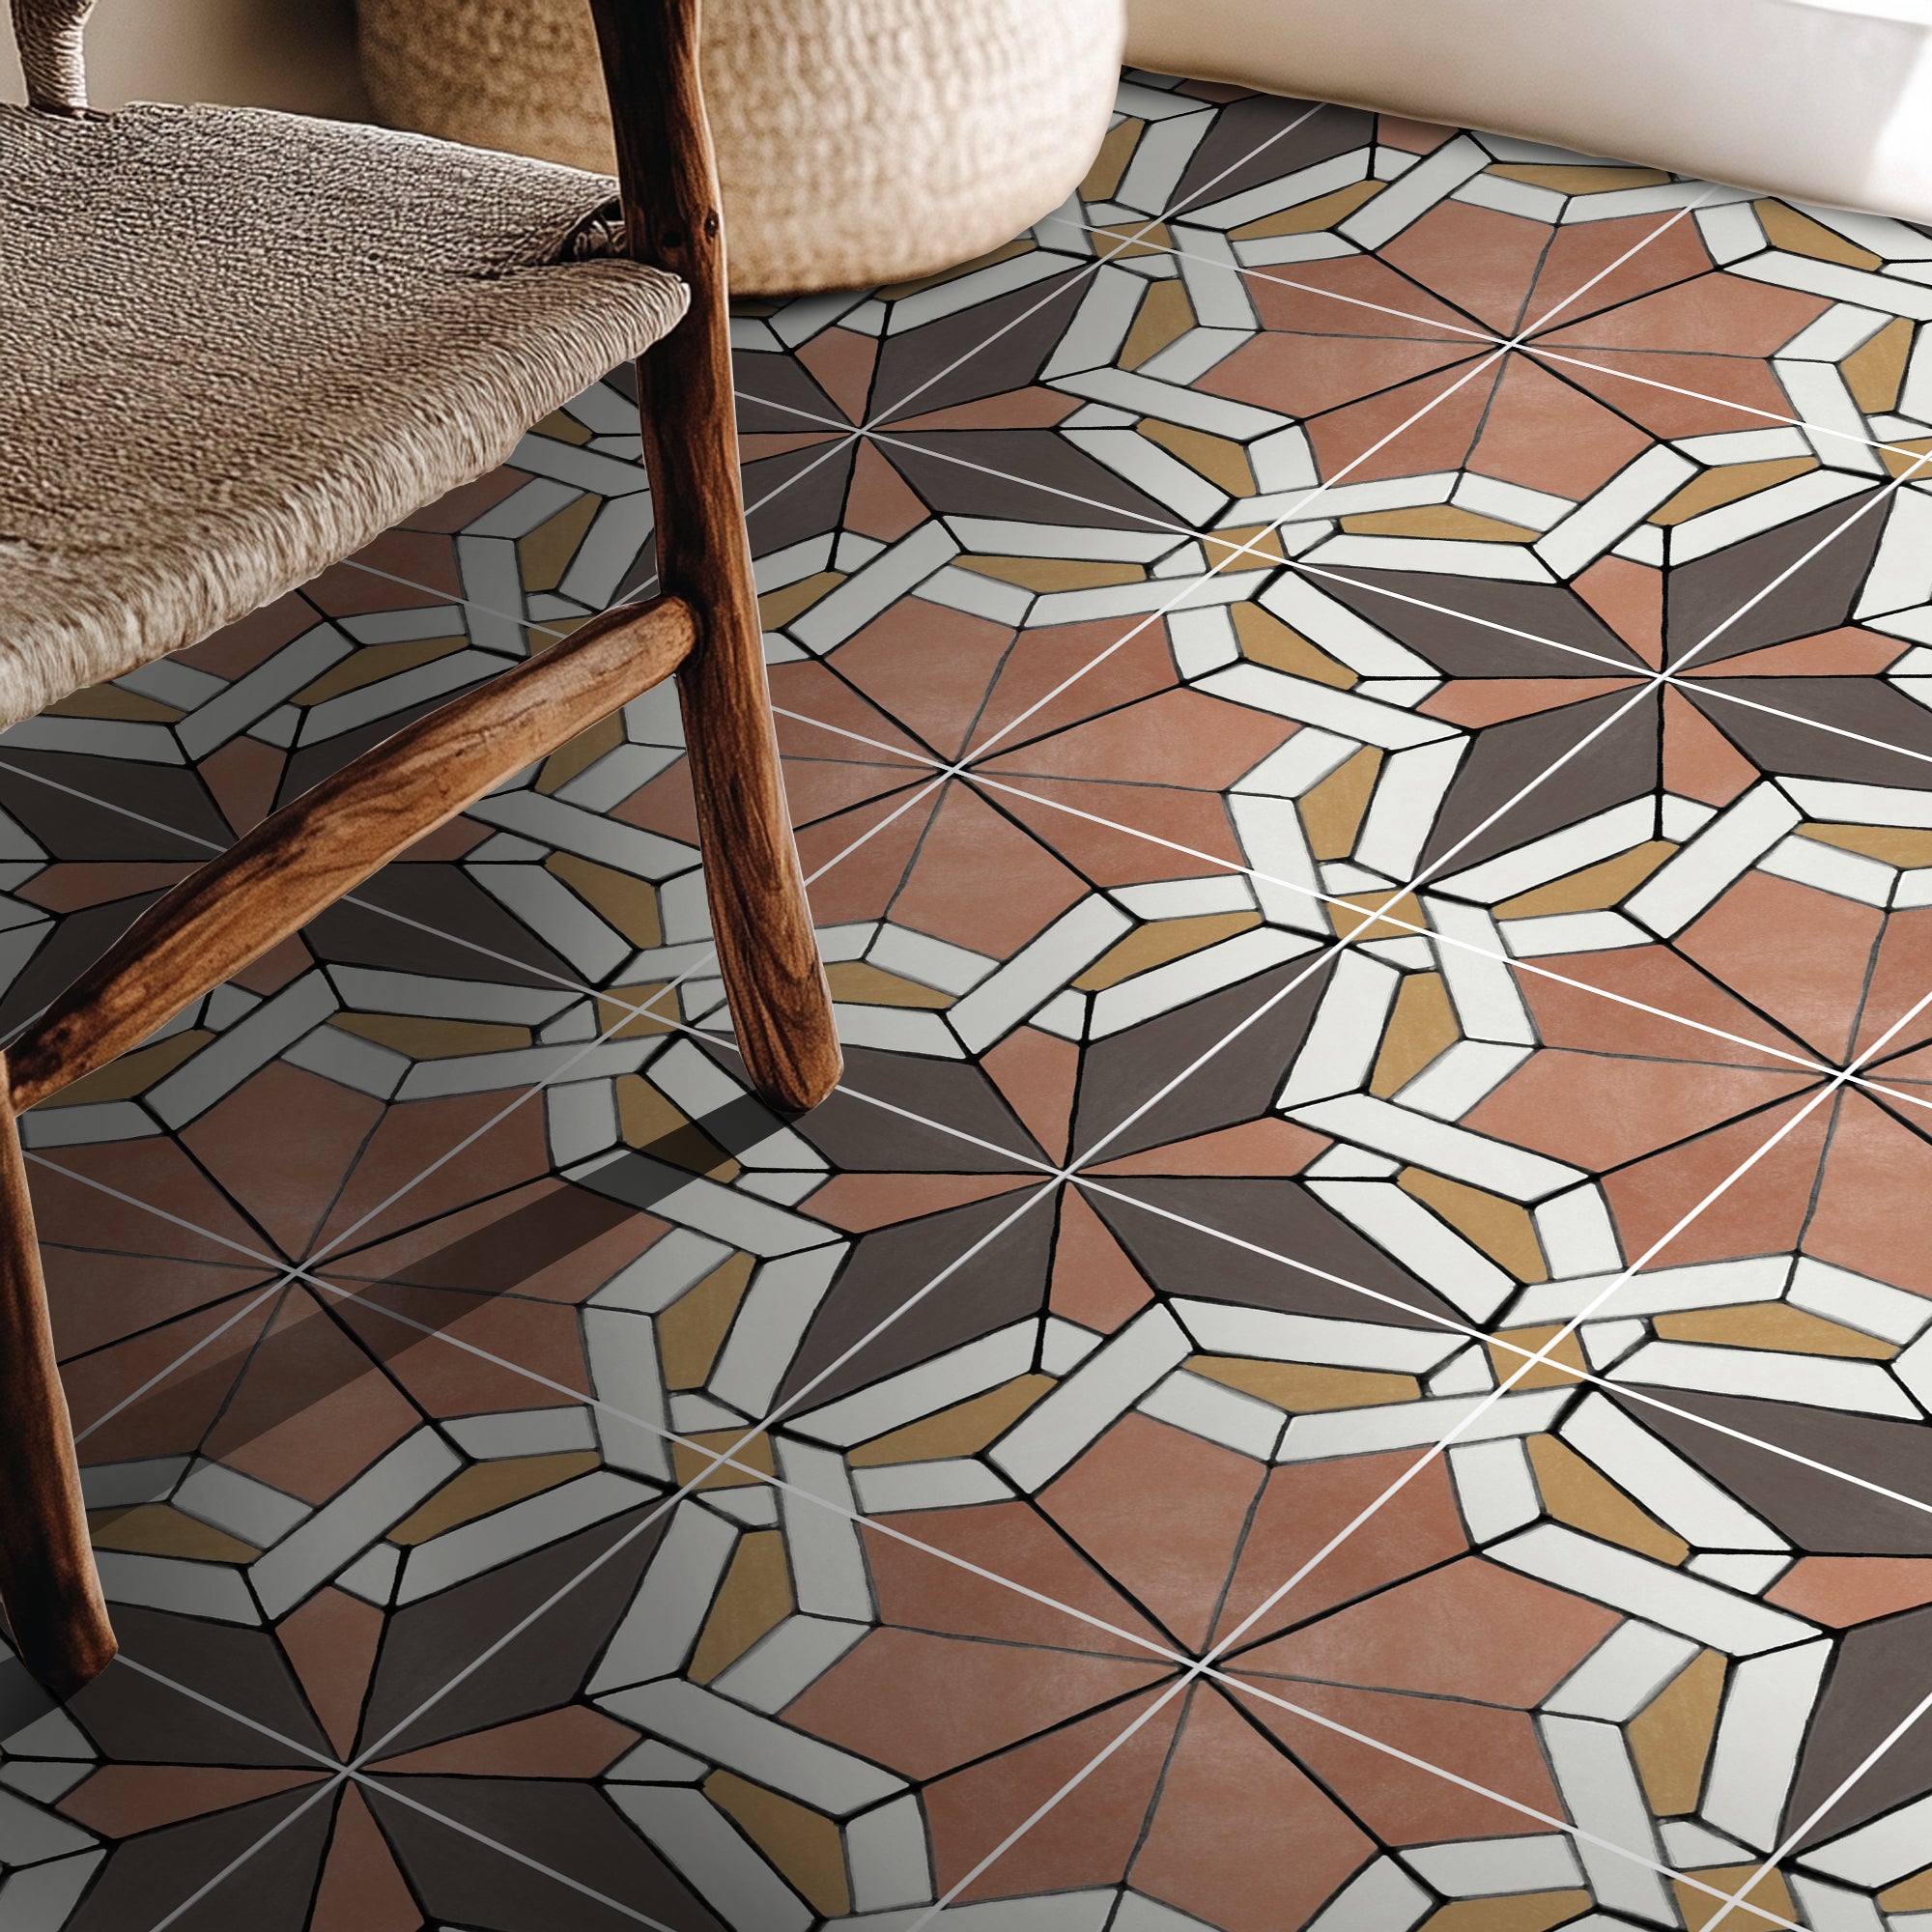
47,1578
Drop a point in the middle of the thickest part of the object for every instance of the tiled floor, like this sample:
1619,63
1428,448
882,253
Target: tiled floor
1353,1353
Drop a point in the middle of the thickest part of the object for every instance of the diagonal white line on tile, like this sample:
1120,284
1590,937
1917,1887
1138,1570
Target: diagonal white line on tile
261,1729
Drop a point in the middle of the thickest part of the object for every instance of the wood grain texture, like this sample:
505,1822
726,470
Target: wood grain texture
780,1008
48,1579
302,859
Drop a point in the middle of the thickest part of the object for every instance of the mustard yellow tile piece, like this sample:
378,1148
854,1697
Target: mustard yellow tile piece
1770,1894
1267,640
561,427
1799,235
133,1073
581,753
487,1487
1367,916
1670,1737
1875,371
1421,1026
778,608
1595,888
1568,180
627,903
109,700
1908,459
1311,217
755,1598
544,553
857,982
804,1846
1576,1494
1772,1324
158,1529
1504,1229
1166,314
1243,547
1053,573
1437,520
373,663
1910,1894
963,1430
1562,1368
1159,941
424,1038
1900,846
626,1013
1525,1912
1222,461
1332,812
1103,178
1306,1389
693,1328
650,1123
706,1473
1729,485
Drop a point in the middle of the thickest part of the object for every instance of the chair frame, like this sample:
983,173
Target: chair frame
703,628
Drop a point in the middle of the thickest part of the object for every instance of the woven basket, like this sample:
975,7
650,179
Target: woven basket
858,141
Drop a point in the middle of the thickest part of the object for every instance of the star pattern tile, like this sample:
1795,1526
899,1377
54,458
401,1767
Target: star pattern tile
1352,1354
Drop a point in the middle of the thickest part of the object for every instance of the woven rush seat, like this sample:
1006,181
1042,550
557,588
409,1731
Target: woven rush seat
236,345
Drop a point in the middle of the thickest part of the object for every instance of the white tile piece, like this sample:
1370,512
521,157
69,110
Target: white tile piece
700,1842
886,1857
1658,1290
172,1583
1511,1171
473,1548
1037,970
1577,1233
1148,994
1480,1866
1608,1342
1065,1345
1817,1382
621,1350
1338,1051
523,1432
1550,933
1882,1852
1414,1425
1262,689
785,1661
238,1504
1228,1328
1666,1484
690,1199
1578,539
1489,1003
373,1575
1598,1782
1431,180
1459,1077
951,1483
1111,1380
771,1754
1655,1591
228,1060
382,1496
1428,1247
1783,503
1833,279
1754,1757
828,1562
1686,884
1623,1674
1752,1574
932,962
1557,854
1213,1411
1495,1486
39,1896
913,1392
1385,1898
1828,1908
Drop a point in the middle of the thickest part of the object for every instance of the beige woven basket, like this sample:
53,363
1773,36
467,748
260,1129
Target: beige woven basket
858,141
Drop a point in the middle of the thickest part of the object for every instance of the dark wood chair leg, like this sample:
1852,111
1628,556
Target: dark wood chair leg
48,1579
780,1006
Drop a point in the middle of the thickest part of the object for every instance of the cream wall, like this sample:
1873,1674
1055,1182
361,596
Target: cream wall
298,54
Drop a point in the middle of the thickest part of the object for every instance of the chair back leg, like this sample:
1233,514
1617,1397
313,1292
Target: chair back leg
48,1579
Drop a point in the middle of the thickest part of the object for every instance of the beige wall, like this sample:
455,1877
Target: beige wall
298,54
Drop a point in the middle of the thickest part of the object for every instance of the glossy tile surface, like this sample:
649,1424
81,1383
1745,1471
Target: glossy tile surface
1354,1351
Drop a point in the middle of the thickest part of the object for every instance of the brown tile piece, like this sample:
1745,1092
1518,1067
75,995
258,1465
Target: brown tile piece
1095,1283
574,1741
361,1888
330,1643
119,1800
1840,1591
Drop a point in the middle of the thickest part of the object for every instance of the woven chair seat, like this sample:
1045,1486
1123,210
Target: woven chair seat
235,345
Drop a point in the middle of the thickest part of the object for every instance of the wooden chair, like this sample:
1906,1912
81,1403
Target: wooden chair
492,326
